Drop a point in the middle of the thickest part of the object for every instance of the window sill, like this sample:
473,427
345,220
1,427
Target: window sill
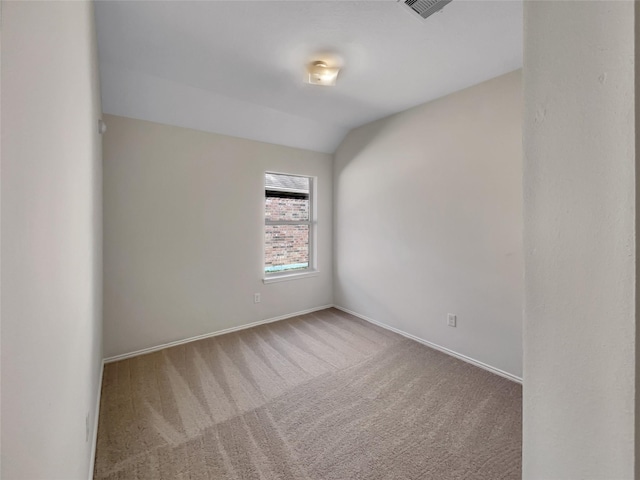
290,276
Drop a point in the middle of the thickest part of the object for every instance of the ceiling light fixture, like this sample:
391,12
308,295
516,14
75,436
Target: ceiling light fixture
319,73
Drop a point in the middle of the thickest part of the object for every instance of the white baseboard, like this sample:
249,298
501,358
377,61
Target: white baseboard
144,351
96,418
460,356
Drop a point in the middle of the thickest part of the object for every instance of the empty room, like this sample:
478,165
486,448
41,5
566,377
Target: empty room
319,240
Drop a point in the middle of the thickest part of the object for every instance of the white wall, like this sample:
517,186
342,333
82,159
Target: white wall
580,259
184,223
428,221
51,239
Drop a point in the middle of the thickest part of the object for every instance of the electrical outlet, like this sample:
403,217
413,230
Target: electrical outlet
256,298
451,319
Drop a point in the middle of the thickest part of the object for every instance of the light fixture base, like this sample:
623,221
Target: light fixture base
320,73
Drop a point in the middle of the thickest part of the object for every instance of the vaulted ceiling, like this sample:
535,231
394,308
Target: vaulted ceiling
237,67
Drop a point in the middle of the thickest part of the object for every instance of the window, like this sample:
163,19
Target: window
289,226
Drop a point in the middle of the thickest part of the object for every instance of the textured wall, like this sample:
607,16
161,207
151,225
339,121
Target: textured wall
51,239
579,214
428,221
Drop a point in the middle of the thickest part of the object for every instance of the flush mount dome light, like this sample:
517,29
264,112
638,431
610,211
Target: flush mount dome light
319,73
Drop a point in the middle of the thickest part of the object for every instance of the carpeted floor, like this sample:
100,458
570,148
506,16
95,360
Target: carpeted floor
321,396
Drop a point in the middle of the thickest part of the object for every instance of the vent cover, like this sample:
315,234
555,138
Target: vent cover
425,8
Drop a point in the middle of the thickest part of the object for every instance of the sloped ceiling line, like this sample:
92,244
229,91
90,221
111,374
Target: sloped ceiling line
237,67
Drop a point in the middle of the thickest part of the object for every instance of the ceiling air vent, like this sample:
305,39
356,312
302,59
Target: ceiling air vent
425,8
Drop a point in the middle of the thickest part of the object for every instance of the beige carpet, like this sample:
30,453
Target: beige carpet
320,396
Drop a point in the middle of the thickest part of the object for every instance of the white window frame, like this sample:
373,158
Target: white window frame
312,222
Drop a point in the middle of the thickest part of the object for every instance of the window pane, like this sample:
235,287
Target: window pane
286,248
292,183
282,208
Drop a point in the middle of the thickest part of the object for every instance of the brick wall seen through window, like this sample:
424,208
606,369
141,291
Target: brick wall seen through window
287,223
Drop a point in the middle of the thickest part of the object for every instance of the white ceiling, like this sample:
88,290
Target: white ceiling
236,67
